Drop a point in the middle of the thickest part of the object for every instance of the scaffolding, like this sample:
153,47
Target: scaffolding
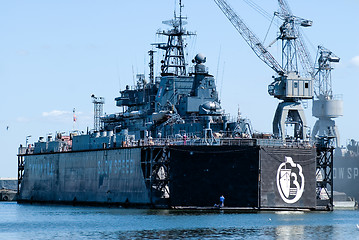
155,168
20,171
324,173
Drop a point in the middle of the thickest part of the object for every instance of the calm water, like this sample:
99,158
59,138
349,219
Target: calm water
68,222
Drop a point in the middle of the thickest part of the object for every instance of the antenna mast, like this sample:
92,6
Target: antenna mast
180,17
174,62
151,65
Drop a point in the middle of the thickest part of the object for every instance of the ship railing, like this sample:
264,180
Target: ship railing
231,142
300,143
25,150
190,141
225,141
238,141
289,143
271,142
196,118
22,150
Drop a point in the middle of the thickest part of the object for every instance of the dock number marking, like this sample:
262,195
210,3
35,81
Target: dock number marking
290,181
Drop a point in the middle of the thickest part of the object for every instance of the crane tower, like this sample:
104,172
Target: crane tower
288,86
98,111
326,105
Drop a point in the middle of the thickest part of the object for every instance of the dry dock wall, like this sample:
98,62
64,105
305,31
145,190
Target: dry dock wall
247,176
288,178
200,175
106,176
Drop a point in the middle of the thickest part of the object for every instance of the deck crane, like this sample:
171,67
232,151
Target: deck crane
288,86
326,105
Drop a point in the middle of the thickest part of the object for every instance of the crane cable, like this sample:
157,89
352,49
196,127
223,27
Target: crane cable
264,13
268,29
260,10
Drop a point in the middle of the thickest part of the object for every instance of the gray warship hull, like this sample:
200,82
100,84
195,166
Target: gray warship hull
346,175
169,176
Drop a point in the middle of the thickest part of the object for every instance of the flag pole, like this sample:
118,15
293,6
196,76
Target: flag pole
73,119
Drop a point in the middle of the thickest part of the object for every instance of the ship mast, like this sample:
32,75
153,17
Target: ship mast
174,62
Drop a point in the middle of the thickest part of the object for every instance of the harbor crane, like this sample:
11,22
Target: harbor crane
301,49
326,105
288,86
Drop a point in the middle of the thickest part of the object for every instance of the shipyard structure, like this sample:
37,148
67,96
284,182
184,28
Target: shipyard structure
248,174
171,145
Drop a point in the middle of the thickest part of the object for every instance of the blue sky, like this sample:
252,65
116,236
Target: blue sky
55,54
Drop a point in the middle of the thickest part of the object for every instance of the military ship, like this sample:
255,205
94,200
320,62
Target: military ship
346,169
170,145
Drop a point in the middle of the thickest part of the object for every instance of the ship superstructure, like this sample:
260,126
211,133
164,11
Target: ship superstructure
179,102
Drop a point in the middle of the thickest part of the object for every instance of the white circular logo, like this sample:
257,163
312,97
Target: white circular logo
290,181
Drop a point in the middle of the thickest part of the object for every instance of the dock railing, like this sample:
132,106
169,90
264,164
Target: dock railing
178,141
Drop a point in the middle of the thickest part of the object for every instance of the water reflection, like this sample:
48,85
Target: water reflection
62,222
204,233
288,232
